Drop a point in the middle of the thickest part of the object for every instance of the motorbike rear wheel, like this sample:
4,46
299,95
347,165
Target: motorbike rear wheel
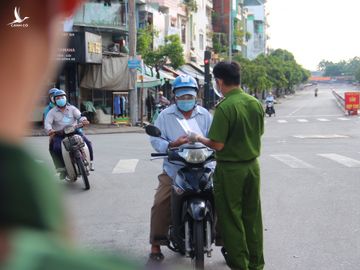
81,166
198,244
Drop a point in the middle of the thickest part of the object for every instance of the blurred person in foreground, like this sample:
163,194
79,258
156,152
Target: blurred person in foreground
33,229
235,134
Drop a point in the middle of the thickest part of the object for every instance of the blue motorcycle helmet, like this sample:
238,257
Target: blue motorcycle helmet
185,84
60,102
52,91
51,94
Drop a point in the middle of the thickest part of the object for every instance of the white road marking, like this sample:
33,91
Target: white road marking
282,121
302,120
323,119
292,161
346,161
320,136
298,109
125,166
343,119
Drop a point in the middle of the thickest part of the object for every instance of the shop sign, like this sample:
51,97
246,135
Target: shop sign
82,47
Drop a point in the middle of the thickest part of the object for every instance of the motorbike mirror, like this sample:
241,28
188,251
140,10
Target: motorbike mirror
152,131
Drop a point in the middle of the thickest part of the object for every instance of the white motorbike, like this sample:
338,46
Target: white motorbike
75,154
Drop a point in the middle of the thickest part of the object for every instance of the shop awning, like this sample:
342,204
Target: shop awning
190,70
112,74
147,81
164,75
171,71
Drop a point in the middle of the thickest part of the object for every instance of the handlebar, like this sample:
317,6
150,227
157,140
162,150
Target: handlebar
61,131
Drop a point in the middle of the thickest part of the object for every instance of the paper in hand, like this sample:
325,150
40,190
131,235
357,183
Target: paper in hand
190,126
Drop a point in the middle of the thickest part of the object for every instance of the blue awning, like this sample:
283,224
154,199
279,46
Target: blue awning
189,70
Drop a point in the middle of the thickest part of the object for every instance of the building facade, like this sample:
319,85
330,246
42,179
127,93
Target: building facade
256,26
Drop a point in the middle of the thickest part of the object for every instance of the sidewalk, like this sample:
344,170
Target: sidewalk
93,129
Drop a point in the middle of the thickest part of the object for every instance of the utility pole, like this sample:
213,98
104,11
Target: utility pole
132,52
230,30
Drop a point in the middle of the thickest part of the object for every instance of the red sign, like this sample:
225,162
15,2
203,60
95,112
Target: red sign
352,101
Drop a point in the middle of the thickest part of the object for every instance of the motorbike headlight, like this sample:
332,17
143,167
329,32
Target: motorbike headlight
195,155
69,129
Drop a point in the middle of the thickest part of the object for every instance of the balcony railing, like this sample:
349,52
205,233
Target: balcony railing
98,15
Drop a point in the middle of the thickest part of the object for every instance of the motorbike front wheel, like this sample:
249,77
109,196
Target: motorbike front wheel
198,244
82,170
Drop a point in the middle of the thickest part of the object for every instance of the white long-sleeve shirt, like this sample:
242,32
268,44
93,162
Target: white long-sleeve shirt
171,130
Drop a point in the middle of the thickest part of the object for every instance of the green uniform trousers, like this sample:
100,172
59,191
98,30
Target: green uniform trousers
237,201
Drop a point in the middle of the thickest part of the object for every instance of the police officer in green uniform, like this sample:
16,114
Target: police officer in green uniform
236,136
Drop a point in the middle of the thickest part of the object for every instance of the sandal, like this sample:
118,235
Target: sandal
155,258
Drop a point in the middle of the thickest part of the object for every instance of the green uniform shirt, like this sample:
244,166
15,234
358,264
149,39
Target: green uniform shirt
28,193
36,250
31,209
238,123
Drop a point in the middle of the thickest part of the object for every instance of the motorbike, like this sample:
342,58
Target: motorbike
270,108
316,93
192,232
75,154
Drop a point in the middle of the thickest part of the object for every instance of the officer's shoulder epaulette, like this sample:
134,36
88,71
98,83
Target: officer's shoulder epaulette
219,102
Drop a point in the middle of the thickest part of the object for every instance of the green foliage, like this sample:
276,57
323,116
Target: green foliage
191,5
347,68
145,39
278,70
171,52
220,43
239,33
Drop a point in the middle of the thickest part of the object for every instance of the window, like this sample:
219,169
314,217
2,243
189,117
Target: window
201,41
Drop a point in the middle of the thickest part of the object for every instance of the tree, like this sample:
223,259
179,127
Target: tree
145,39
171,53
278,70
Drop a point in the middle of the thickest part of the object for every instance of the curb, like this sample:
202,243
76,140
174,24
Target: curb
139,130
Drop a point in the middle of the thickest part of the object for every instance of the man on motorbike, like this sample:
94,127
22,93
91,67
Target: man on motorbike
185,89
62,115
270,100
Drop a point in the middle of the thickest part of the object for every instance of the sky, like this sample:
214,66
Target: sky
313,30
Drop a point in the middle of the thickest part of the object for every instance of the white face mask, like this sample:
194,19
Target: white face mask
216,89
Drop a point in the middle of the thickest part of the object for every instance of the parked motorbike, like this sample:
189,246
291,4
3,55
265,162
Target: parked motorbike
75,154
270,108
192,232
